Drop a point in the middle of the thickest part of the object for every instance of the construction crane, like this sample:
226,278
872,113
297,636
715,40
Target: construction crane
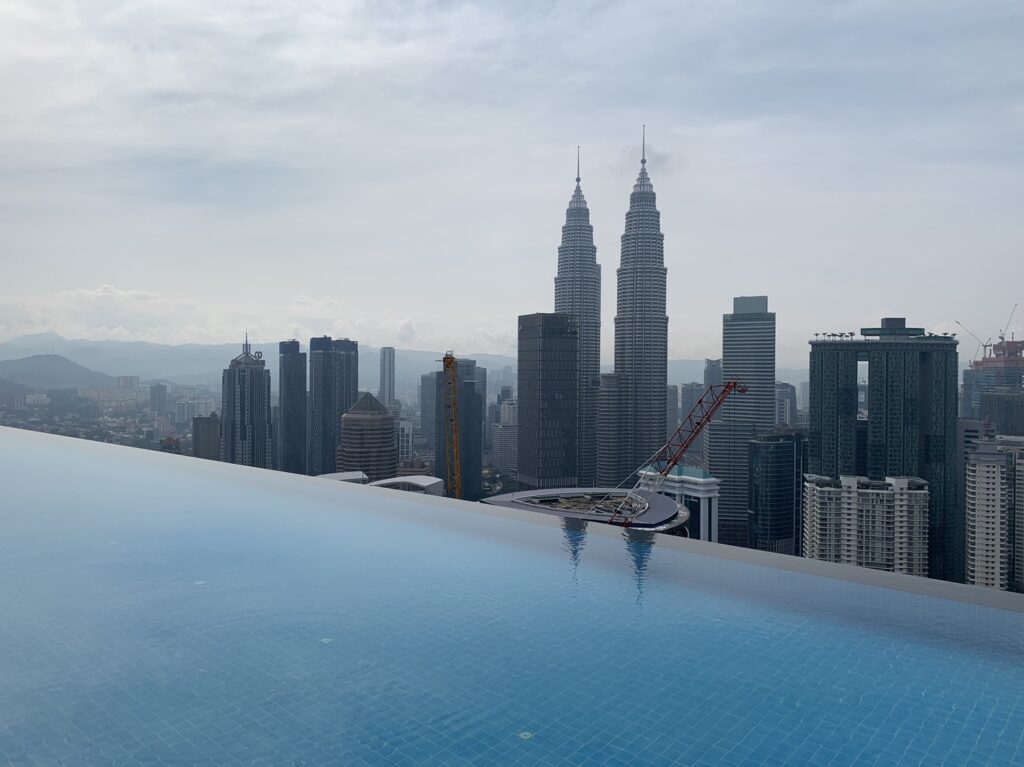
981,344
652,476
453,461
1002,333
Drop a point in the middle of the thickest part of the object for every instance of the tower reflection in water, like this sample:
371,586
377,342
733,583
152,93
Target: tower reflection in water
574,532
639,547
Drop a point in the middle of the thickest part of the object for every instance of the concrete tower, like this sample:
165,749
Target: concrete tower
748,355
386,392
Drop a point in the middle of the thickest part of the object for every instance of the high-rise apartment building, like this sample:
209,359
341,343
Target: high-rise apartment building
636,430
333,388
987,511
776,489
882,524
548,411
994,514
386,391
748,356
368,440
405,432
578,292
911,428
245,436
291,432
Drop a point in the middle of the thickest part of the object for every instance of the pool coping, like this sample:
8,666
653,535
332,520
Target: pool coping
976,595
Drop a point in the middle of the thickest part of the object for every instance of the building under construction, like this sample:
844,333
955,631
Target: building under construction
1000,370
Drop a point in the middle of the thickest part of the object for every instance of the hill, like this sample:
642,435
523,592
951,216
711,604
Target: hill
201,364
52,371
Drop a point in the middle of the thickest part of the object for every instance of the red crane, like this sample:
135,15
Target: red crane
652,476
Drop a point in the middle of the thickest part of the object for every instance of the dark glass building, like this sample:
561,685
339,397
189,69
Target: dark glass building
911,421
245,434
206,437
333,388
777,464
291,432
368,440
548,400
470,409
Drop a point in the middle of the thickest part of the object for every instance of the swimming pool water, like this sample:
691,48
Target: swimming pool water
164,610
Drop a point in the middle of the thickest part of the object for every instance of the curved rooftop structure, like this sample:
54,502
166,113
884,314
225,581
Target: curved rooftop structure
162,609
594,504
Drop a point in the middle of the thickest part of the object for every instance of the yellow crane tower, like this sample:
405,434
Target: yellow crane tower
453,461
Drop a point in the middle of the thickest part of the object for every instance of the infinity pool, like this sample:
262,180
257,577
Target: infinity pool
158,609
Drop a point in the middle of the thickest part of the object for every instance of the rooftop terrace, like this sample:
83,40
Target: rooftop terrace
163,609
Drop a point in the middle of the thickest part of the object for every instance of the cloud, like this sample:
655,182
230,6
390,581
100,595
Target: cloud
405,166
111,313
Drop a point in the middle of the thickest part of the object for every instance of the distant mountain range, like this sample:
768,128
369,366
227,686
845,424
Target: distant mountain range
201,364
52,371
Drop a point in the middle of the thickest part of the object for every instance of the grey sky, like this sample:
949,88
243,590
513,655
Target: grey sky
399,172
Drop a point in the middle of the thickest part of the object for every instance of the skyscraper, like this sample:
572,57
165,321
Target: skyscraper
291,382
470,410
748,355
547,405
671,409
428,416
641,342
368,440
911,421
578,292
1001,369
987,510
333,387
776,485
785,404
245,410
386,392
206,437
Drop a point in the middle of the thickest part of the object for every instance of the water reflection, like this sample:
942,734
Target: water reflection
639,546
575,533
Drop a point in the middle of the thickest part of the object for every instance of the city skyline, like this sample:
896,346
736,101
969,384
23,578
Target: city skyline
766,170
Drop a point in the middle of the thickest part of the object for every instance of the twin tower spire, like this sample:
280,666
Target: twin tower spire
622,416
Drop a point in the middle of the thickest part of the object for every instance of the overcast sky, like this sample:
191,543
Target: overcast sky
398,172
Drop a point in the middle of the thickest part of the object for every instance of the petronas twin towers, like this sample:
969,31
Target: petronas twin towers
622,414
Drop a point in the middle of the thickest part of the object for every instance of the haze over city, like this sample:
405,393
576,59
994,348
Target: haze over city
181,172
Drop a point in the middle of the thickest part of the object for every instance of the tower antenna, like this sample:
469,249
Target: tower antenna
643,145
577,163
